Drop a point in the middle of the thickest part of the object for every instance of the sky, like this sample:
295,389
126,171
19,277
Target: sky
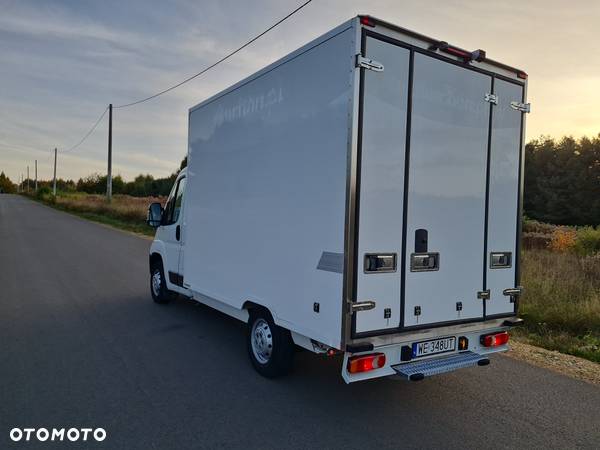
62,62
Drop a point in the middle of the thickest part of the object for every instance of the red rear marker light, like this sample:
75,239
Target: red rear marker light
466,56
368,21
365,363
457,52
522,75
494,339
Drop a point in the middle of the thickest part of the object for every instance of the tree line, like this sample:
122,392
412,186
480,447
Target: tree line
141,186
562,181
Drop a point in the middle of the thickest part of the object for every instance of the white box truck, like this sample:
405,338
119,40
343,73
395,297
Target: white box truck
362,196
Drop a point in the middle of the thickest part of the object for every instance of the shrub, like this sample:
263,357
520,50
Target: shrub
588,241
537,241
43,192
563,239
533,226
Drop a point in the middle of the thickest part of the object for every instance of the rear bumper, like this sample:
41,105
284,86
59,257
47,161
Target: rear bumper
411,368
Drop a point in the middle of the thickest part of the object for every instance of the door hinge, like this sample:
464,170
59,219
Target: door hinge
362,306
491,98
483,295
523,107
368,64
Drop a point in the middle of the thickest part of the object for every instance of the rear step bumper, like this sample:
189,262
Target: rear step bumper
418,370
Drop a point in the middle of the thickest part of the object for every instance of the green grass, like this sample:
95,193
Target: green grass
124,212
561,304
134,227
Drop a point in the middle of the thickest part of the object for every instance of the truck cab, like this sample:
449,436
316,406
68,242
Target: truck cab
166,252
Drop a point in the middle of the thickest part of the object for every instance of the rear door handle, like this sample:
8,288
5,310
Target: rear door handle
513,292
178,232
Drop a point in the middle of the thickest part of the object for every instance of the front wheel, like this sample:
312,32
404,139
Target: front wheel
270,347
158,286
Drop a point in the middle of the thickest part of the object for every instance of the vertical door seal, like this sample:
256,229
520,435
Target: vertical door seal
487,201
409,100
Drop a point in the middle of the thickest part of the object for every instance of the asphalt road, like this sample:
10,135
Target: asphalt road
83,345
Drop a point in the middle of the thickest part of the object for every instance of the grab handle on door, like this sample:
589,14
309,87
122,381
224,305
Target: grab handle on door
362,306
178,232
424,262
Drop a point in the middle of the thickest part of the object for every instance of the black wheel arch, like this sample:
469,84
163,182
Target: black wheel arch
153,259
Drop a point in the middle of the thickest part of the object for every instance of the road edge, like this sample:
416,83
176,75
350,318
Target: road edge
88,219
569,365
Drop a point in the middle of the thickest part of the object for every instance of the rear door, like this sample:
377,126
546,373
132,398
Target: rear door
505,151
381,185
446,199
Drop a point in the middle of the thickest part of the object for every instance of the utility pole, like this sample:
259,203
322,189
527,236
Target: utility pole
54,182
36,175
28,179
109,172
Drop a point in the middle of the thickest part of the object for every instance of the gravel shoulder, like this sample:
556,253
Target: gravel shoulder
569,365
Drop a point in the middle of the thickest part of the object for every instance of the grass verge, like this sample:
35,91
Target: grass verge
561,304
124,212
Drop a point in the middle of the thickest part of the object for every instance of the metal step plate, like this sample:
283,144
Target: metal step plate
420,369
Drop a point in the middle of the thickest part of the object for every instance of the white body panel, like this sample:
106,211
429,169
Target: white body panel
267,187
446,193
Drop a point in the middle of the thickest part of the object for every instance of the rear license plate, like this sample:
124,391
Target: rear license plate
434,346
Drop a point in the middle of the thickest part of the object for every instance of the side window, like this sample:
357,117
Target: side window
178,200
173,205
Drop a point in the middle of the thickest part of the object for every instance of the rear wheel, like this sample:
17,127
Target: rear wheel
158,285
270,347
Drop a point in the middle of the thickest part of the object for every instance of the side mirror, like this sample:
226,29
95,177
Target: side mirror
154,215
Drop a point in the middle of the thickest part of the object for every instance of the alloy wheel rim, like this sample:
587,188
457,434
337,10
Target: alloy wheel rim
156,282
262,341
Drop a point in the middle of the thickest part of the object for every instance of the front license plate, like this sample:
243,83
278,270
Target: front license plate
434,347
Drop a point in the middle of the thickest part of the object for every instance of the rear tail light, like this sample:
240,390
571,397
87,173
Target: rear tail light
494,339
365,363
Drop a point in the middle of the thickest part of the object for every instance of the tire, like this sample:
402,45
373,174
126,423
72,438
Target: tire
158,286
270,347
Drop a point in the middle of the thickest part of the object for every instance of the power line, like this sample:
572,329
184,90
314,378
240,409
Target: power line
88,133
218,62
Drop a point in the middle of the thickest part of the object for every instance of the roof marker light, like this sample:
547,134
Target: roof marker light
368,21
443,46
